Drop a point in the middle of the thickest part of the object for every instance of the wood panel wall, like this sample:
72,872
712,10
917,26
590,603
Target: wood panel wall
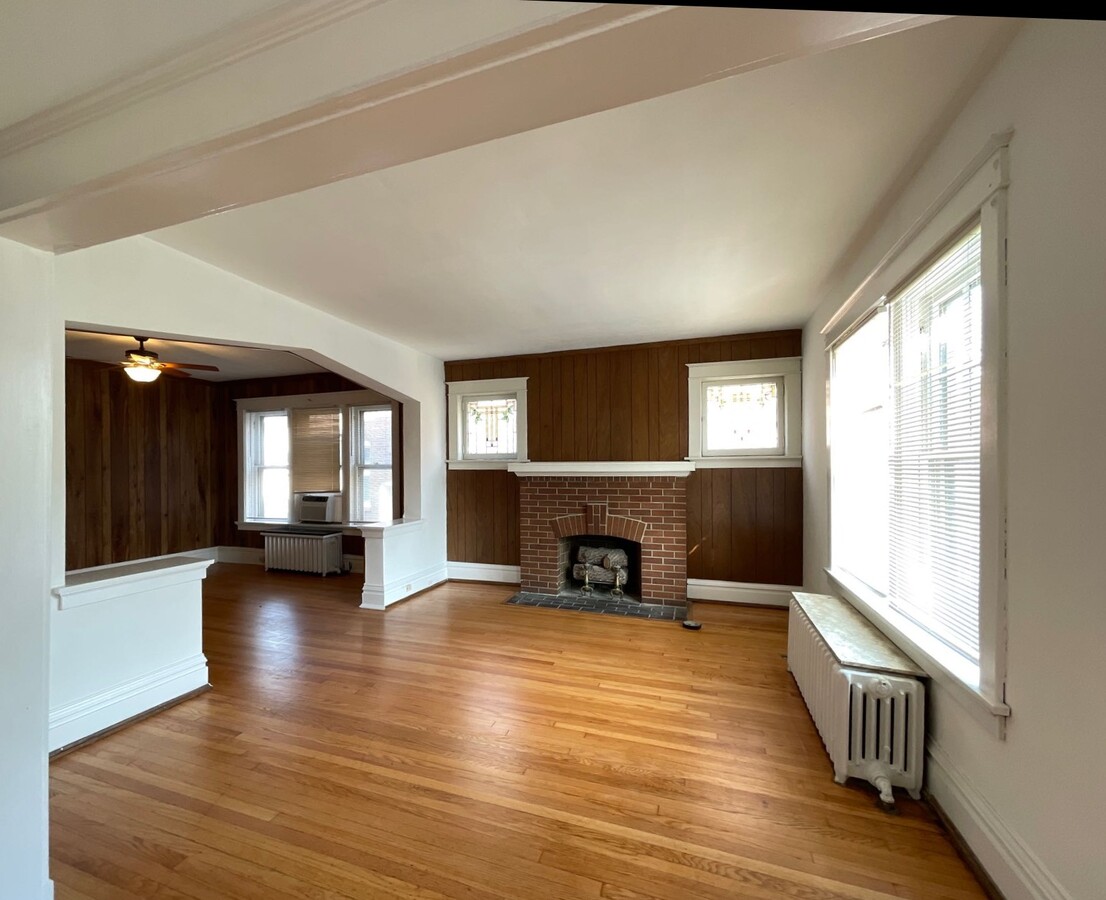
153,468
630,403
138,466
745,525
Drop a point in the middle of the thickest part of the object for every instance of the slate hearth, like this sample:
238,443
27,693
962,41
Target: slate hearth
600,602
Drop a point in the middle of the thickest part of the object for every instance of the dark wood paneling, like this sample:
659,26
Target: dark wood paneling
617,403
482,515
746,525
630,403
153,468
138,466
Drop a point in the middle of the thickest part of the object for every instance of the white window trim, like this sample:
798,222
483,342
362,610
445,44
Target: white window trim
457,392
979,192
343,400
789,368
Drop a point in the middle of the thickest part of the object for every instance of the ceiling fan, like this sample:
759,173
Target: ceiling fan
144,365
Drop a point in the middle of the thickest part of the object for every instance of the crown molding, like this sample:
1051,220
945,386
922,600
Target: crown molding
248,37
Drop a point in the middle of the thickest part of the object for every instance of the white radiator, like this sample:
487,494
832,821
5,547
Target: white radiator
872,723
317,553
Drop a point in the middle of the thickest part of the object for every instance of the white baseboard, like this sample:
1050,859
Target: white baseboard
93,714
467,571
1014,868
740,592
382,596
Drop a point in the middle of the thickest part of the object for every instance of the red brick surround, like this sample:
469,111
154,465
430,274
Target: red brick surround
649,509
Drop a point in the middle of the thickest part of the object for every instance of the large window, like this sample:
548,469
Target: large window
906,433
917,500
745,412
326,444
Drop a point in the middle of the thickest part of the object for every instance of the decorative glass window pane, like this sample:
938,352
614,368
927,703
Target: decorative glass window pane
491,426
743,416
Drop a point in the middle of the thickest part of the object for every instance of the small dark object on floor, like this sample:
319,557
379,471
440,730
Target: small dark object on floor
692,624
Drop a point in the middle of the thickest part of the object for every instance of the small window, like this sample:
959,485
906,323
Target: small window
487,422
743,416
744,412
491,427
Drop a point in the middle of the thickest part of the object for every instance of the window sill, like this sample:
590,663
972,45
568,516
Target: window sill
990,712
747,462
258,525
463,464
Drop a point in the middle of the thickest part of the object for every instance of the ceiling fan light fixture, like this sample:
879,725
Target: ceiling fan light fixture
141,373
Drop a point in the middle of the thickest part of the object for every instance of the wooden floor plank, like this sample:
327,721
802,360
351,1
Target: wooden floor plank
457,747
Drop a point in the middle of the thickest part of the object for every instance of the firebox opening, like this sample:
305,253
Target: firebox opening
571,552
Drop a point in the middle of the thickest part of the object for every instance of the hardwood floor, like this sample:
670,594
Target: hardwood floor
458,747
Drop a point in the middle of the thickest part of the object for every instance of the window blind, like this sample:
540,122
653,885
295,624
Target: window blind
316,449
934,462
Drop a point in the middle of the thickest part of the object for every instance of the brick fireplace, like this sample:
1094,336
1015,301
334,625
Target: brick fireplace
648,508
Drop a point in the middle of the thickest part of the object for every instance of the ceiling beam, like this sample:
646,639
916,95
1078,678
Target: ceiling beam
597,60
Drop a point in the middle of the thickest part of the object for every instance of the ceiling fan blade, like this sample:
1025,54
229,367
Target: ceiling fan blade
196,366
174,373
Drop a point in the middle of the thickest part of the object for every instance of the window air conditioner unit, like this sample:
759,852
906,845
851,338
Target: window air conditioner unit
318,507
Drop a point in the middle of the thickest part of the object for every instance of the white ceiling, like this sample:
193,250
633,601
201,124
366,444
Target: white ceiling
234,362
52,51
718,209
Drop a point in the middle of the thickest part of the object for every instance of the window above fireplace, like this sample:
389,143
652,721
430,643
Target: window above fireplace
745,413
487,422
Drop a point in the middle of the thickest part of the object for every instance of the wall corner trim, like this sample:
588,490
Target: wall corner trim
1003,854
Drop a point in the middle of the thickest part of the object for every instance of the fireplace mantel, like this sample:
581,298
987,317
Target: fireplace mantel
618,469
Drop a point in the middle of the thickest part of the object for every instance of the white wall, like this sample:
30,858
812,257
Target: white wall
1033,806
124,639
147,288
30,358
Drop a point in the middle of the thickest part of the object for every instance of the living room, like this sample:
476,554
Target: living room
1016,791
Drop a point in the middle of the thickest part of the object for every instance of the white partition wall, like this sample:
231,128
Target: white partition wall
124,640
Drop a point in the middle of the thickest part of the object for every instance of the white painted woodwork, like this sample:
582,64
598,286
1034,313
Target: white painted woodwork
396,564
468,571
124,639
31,546
742,592
616,469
